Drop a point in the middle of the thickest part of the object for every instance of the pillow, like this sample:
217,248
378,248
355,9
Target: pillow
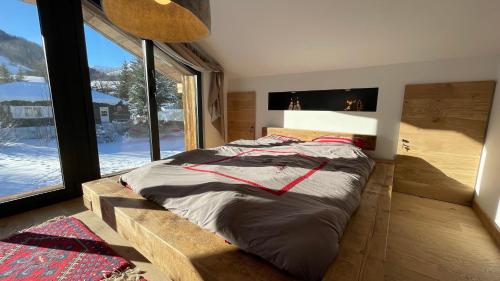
333,139
277,139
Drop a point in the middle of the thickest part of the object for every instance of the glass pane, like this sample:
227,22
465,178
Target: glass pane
29,154
120,104
176,112
170,115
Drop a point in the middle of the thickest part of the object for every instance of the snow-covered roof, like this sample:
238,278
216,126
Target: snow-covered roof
98,97
34,91
37,79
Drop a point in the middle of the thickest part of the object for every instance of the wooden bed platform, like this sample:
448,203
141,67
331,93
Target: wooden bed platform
184,251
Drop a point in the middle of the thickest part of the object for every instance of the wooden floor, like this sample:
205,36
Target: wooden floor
76,209
428,240
432,240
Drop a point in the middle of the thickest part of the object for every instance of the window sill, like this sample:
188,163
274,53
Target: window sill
30,193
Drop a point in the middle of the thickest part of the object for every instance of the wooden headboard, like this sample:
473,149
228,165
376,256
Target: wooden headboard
308,135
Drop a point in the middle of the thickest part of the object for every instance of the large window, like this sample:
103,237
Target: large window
170,103
52,86
117,73
119,104
29,154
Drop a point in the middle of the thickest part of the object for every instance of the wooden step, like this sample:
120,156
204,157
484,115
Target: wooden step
184,251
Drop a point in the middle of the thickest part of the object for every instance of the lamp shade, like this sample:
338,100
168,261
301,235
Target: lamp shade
171,21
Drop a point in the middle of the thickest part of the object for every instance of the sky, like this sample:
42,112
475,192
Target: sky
21,19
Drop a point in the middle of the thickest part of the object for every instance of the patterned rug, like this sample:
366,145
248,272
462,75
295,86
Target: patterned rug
62,249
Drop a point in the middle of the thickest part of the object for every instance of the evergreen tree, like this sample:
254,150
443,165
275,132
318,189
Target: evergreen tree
131,87
167,91
137,93
124,82
5,75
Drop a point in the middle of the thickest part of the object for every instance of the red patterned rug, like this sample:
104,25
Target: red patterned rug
63,249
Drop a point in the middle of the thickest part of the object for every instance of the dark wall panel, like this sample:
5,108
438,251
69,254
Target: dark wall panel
361,99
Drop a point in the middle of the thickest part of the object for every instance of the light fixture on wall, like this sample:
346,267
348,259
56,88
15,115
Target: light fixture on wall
171,21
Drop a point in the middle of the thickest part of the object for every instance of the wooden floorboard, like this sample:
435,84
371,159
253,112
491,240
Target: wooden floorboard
434,240
75,208
489,224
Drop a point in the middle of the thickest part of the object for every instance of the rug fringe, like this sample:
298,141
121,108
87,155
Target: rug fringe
129,274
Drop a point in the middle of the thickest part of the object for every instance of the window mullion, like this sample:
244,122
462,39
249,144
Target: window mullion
150,87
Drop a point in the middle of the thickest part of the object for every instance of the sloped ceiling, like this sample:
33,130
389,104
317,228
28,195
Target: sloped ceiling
266,37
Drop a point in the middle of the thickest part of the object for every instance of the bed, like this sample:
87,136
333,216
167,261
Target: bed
252,191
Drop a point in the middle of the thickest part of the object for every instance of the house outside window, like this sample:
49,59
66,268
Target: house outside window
31,112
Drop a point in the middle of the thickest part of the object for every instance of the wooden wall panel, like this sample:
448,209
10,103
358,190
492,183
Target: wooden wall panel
308,135
241,115
441,137
189,110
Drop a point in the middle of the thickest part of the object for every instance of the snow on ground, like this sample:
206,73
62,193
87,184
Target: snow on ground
13,68
29,164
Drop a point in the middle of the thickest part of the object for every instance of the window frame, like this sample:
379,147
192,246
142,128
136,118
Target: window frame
150,88
199,105
148,48
68,72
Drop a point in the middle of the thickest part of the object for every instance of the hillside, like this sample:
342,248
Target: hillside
17,54
22,53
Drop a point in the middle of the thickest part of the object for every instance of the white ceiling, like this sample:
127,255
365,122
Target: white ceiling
266,37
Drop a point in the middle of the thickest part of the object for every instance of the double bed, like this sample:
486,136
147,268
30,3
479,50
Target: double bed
272,209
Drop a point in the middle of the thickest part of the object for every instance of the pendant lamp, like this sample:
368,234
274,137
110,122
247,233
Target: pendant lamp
171,21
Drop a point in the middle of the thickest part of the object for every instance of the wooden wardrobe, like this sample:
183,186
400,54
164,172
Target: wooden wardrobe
441,136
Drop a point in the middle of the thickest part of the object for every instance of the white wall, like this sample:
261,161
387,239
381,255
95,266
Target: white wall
390,80
488,182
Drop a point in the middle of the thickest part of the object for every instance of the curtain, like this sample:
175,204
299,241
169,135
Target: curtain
193,56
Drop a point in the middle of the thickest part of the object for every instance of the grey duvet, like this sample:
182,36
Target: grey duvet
288,203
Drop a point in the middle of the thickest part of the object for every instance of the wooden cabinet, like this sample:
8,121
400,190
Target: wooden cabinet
441,137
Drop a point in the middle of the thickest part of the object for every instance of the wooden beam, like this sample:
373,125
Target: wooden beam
184,251
189,112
